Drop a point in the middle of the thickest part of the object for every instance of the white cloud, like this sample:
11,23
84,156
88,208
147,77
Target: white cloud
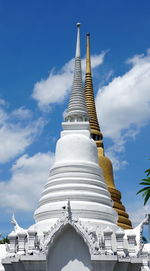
28,175
113,155
22,113
58,84
17,131
137,216
96,60
123,106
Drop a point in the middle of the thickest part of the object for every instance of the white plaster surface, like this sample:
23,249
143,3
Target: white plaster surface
147,247
77,176
76,147
69,253
2,255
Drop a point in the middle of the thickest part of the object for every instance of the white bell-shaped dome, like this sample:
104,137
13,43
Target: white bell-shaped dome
76,176
76,147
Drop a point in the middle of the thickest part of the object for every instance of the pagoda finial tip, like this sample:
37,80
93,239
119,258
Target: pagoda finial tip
78,41
78,24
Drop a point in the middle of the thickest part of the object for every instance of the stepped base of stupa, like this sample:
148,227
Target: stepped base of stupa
123,218
106,165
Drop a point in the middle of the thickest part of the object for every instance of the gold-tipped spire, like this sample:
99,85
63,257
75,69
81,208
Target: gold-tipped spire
88,57
89,95
104,162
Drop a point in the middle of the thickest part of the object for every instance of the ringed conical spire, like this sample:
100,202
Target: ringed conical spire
77,110
104,162
89,96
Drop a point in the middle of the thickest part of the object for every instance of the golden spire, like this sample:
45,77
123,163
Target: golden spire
104,162
89,96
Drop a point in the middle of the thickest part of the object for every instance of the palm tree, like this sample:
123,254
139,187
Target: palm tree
146,190
4,239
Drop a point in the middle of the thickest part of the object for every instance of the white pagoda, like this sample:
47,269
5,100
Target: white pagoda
75,224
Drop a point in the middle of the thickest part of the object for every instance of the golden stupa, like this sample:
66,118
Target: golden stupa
104,162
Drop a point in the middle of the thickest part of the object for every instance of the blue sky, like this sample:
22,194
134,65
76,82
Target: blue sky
37,46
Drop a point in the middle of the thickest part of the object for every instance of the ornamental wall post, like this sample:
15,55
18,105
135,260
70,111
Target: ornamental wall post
31,240
21,242
145,262
12,242
108,240
120,244
131,241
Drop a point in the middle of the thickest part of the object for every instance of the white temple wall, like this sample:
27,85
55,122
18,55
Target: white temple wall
69,253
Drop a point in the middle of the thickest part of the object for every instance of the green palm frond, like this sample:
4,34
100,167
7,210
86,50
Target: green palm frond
146,180
147,196
144,183
145,191
147,172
